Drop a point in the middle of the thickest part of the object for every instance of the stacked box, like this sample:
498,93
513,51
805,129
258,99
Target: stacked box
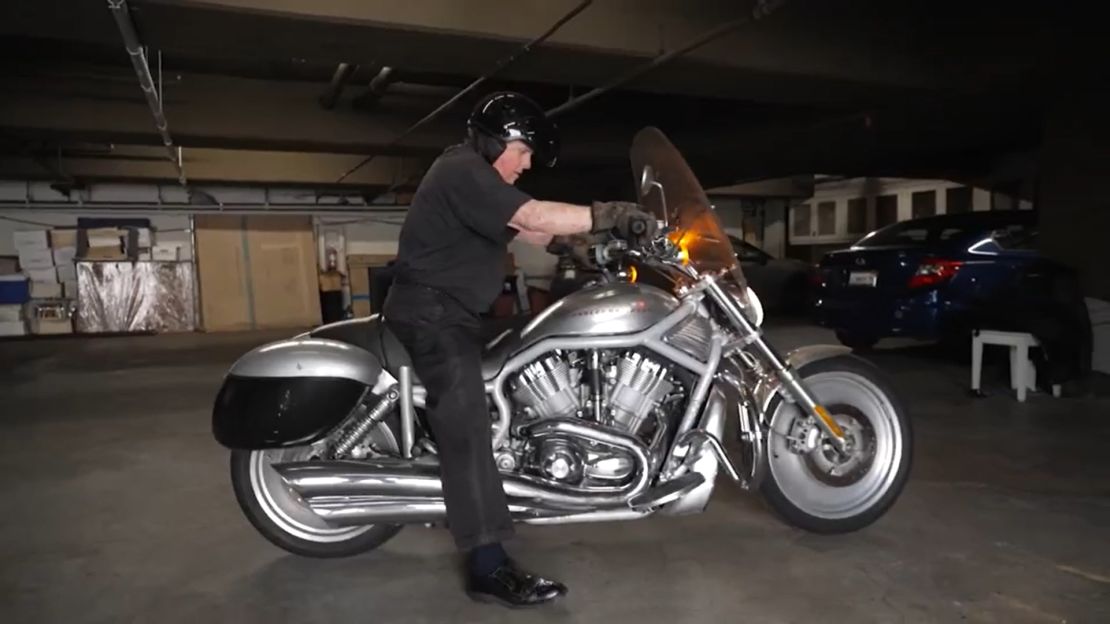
47,260
104,244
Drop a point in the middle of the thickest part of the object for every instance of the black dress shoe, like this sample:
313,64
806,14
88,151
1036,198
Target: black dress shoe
512,587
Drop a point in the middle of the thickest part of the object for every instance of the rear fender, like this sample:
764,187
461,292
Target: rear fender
293,392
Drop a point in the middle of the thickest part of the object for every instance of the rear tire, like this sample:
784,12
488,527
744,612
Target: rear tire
815,490
857,342
279,514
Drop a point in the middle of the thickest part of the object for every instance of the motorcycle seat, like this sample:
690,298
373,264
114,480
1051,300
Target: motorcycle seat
374,336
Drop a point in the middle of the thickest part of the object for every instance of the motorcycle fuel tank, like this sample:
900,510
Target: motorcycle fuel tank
602,310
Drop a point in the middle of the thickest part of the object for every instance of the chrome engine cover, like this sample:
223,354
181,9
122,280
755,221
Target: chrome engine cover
639,386
548,388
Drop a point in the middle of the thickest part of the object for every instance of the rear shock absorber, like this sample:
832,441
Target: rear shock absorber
364,422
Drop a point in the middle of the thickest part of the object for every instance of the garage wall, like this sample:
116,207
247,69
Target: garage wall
169,228
356,235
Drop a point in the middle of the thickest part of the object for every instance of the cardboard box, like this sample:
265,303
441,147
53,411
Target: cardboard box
144,238
69,289
50,327
166,252
105,253
331,281
64,255
36,259
61,239
11,312
144,256
13,328
46,276
104,237
67,273
31,239
42,290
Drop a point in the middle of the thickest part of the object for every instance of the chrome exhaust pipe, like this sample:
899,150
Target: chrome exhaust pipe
397,491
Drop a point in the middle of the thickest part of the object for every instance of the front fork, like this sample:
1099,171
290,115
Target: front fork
789,379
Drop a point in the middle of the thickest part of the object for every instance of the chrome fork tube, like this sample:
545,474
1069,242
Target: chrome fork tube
790,380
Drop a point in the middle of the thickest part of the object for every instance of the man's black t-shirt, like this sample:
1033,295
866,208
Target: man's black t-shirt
456,234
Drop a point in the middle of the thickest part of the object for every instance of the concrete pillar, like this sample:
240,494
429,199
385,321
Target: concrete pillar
980,199
774,227
1074,200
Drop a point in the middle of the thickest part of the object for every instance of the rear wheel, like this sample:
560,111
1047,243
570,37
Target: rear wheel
283,518
856,341
813,486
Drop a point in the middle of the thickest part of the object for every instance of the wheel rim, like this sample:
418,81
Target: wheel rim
853,486
285,508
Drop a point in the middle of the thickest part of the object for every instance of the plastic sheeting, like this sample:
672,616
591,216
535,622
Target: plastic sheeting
135,297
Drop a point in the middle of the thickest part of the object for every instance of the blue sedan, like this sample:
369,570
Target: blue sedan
928,278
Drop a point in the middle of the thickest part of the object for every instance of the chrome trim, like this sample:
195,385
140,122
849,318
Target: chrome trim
383,490
408,414
606,515
769,386
701,389
309,357
713,422
715,447
651,338
781,367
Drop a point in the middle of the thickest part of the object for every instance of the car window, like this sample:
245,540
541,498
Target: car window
897,235
916,233
1017,237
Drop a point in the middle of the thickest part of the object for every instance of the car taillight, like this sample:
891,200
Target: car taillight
934,271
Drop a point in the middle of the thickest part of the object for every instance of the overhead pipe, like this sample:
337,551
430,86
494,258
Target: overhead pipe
762,9
512,58
135,50
378,86
343,73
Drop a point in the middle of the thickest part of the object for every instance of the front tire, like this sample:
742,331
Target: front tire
807,483
280,515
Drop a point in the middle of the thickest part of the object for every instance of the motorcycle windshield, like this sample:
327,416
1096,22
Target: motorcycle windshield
694,224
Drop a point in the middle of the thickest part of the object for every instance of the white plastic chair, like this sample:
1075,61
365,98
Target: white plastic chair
1023,374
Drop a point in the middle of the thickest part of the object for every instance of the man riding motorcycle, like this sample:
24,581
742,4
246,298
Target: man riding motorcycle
449,270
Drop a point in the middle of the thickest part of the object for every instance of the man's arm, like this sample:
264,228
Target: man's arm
546,217
534,238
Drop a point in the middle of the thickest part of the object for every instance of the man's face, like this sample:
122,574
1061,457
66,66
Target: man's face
515,160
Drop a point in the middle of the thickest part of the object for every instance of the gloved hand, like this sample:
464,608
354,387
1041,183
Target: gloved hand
630,221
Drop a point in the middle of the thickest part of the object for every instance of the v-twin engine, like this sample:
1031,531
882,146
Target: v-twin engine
624,392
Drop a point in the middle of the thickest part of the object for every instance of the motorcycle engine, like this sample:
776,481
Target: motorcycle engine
558,386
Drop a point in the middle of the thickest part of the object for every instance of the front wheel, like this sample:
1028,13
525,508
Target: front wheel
813,486
283,518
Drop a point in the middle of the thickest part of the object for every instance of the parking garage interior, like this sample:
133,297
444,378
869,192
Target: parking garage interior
252,162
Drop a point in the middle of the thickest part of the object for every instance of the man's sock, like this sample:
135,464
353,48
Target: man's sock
484,559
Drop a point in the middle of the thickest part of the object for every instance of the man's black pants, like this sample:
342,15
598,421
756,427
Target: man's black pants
444,343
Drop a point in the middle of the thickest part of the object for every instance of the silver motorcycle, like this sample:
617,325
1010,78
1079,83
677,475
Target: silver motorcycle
611,404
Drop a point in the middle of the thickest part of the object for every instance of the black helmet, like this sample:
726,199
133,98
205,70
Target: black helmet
505,117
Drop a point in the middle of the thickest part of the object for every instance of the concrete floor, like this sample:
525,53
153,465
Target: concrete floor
117,508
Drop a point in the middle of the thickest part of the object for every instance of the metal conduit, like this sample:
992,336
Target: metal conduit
138,57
